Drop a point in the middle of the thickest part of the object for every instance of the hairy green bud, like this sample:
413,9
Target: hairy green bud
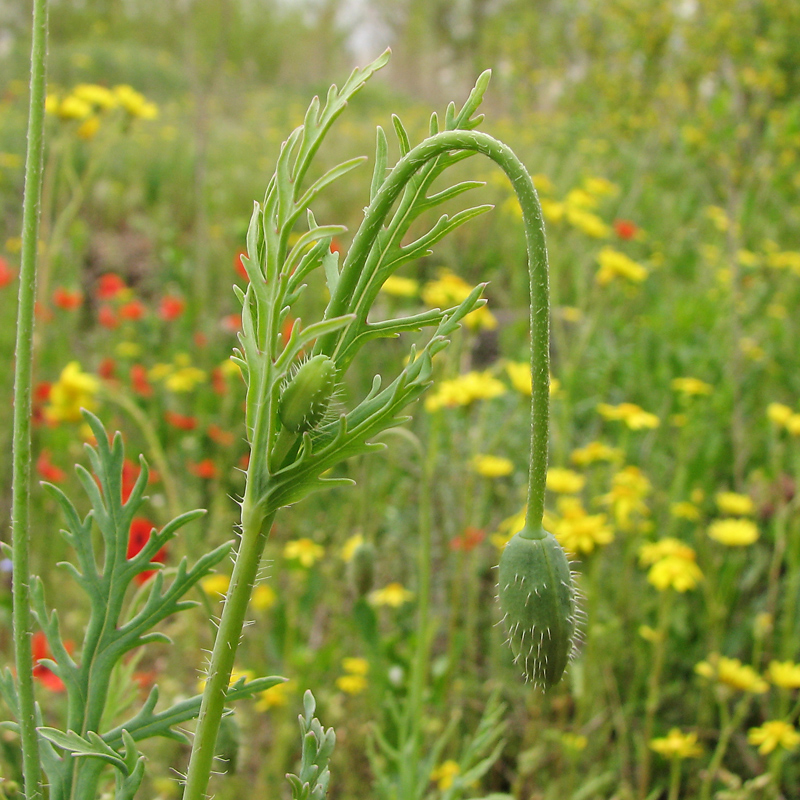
306,396
539,603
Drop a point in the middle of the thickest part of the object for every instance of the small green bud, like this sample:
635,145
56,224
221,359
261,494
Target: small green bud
539,602
306,396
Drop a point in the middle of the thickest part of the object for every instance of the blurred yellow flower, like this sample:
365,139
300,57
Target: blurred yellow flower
580,198
785,674
185,379
574,741
552,211
564,481
400,287
779,413
305,551
507,528
263,597
718,216
351,684
673,572
595,451
685,510
590,224
72,107
275,696
215,586
135,103
614,264
739,505
668,547
394,595
450,290
731,672
651,634
98,96
733,532
350,546
492,466
72,391
577,531
445,774
463,390
236,675
677,745
691,386
543,184
773,734
793,424
600,187
635,417
629,487
356,666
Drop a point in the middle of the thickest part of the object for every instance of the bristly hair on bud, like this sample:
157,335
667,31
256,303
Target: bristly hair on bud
539,601
307,394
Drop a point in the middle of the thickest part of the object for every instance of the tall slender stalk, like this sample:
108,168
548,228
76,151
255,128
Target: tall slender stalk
21,468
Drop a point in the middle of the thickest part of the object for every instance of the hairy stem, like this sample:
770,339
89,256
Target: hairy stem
21,469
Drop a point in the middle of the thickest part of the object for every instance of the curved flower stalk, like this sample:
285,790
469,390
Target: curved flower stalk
293,440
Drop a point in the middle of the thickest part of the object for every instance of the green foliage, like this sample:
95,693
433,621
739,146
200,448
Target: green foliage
318,744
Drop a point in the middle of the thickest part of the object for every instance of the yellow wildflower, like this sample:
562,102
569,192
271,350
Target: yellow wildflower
577,531
691,387
351,684
685,510
793,424
492,466
552,210
275,696
236,675
400,287
614,264
629,487
450,290
635,417
600,187
651,634
350,547
445,774
785,674
677,745
773,734
570,313
88,128
564,481
72,107
731,672
588,223
739,505
305,551
543,184
185,379
464,390
785,260
128,349
356,666
733,532
718,216
216,585
674,572
595,451
95,95
668,547
580,198
159,371
135,103
394,595
72,391
263,597
520,374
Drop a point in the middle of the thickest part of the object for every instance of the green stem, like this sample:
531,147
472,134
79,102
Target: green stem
21,469
343,299
255,530
729,725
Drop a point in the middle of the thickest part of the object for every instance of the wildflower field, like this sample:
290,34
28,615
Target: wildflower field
663,140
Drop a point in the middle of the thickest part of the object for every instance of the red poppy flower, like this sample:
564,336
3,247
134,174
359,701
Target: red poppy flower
469,540
134,310
138,537
139,382
6,273
67,299
218,382
180,421
48,470
232,323
625,229
107,318
41,650
206,469
109,286
106,368
171,307
220,436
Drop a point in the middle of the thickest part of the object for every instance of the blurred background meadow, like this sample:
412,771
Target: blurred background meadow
664,141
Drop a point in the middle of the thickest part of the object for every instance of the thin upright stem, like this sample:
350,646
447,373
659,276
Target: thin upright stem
21,469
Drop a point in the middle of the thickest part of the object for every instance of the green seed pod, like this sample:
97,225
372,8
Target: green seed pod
306,396
539,602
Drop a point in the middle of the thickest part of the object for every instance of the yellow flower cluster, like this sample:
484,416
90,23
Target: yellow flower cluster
72,391
180,376
305,552
577,531
773,734
450,290
691,387
463,390
576,208
492,466
733,532
400,287
737,505
520,375
507,528
394,595
444,775
629,487
564,481
672,565
677,745
614,264
635,417
354,681
783,417
593,452
732,673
